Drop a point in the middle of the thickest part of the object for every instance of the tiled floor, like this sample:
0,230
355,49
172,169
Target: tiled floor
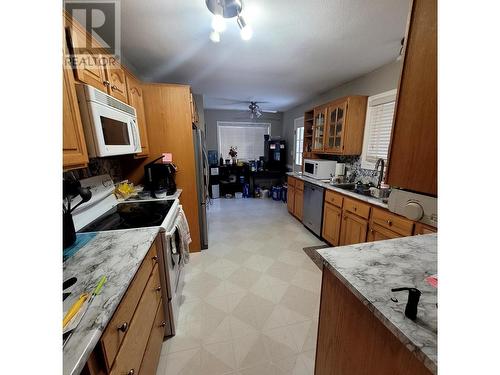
251,300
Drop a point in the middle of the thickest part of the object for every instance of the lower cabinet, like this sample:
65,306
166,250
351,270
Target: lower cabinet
423,229
290,198
132,340
298,206
332,220
353,229
376,233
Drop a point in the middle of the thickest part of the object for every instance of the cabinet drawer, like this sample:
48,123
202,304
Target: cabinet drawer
334,198
153,349
130,355
291,181
421,228
113,336
299,185
356,207
392,222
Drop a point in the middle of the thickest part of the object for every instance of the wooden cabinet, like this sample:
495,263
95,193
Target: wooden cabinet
153,348
194,111
117,84
353,229
423,229
338,126
335,127
318,129
290,198
136,100
391,222
412,158
298,205
332,219
378,233
74,147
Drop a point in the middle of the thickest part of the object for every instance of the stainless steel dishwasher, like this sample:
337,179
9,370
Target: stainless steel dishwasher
313,207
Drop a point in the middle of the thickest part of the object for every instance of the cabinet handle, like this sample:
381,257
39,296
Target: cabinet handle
131,372
113,87
106,83
155,258
158,288
163,324
123,327
354,208
389,222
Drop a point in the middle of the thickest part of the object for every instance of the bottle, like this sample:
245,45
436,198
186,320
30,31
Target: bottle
221,160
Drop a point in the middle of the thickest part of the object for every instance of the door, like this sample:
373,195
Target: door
353,229
117,87
88,67
298,205
319,123
136,100
74,147
332,219
290,199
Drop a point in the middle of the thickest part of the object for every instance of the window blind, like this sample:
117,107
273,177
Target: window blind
299,145
379,136
247,137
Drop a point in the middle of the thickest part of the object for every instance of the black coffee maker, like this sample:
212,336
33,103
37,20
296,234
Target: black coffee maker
159,176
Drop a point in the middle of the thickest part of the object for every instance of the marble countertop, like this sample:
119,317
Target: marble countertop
116,255
326,185
371,269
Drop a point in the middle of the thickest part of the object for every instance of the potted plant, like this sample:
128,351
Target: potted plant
233,152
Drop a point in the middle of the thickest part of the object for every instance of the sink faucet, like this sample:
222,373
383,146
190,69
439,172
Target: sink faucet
381,173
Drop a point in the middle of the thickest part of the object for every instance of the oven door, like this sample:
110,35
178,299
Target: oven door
115,132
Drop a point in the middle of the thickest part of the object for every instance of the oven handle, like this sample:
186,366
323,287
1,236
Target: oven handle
134,133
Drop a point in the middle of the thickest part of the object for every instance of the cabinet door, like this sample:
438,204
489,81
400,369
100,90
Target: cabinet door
290,198
332,219
136,100
117,87
376,233
88,67
74,147
335,127
353,229
423,229
319,128
298,204
412,161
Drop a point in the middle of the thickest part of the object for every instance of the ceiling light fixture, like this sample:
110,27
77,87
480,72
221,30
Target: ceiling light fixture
223,9
246,31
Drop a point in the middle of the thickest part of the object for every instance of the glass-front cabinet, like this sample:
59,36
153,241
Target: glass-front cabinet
335,127
319,125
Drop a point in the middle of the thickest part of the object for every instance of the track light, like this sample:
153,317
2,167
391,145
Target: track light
246,31
215,37
218,23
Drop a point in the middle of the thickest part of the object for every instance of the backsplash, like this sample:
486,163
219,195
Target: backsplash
98,166
353,165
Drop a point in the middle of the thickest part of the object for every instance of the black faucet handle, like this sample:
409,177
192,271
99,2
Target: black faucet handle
412,303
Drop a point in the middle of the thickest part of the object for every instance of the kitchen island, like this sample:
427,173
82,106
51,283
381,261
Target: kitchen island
362,326
116,255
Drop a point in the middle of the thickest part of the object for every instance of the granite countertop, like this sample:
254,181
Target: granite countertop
326,185
371,269
116,255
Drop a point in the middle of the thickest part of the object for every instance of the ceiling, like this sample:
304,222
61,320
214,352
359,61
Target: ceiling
299,48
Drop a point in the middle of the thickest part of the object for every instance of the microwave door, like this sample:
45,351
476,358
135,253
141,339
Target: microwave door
115,132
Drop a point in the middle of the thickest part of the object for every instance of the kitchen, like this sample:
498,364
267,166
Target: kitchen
279,221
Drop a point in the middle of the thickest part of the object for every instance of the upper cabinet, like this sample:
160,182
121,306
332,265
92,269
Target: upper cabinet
338,126
74,148
319,123
412,161
94,66
194,111
136,100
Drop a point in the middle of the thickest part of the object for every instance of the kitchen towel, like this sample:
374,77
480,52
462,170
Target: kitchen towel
185,236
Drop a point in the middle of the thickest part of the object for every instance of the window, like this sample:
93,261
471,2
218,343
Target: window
298,143
248,137
379,117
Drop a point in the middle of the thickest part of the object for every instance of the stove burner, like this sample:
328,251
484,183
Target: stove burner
131,215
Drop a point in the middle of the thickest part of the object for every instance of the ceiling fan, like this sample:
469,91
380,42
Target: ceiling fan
254,110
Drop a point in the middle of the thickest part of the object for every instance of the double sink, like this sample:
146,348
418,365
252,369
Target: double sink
364,189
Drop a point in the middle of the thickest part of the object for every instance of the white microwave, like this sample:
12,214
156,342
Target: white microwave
110,126
319,169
